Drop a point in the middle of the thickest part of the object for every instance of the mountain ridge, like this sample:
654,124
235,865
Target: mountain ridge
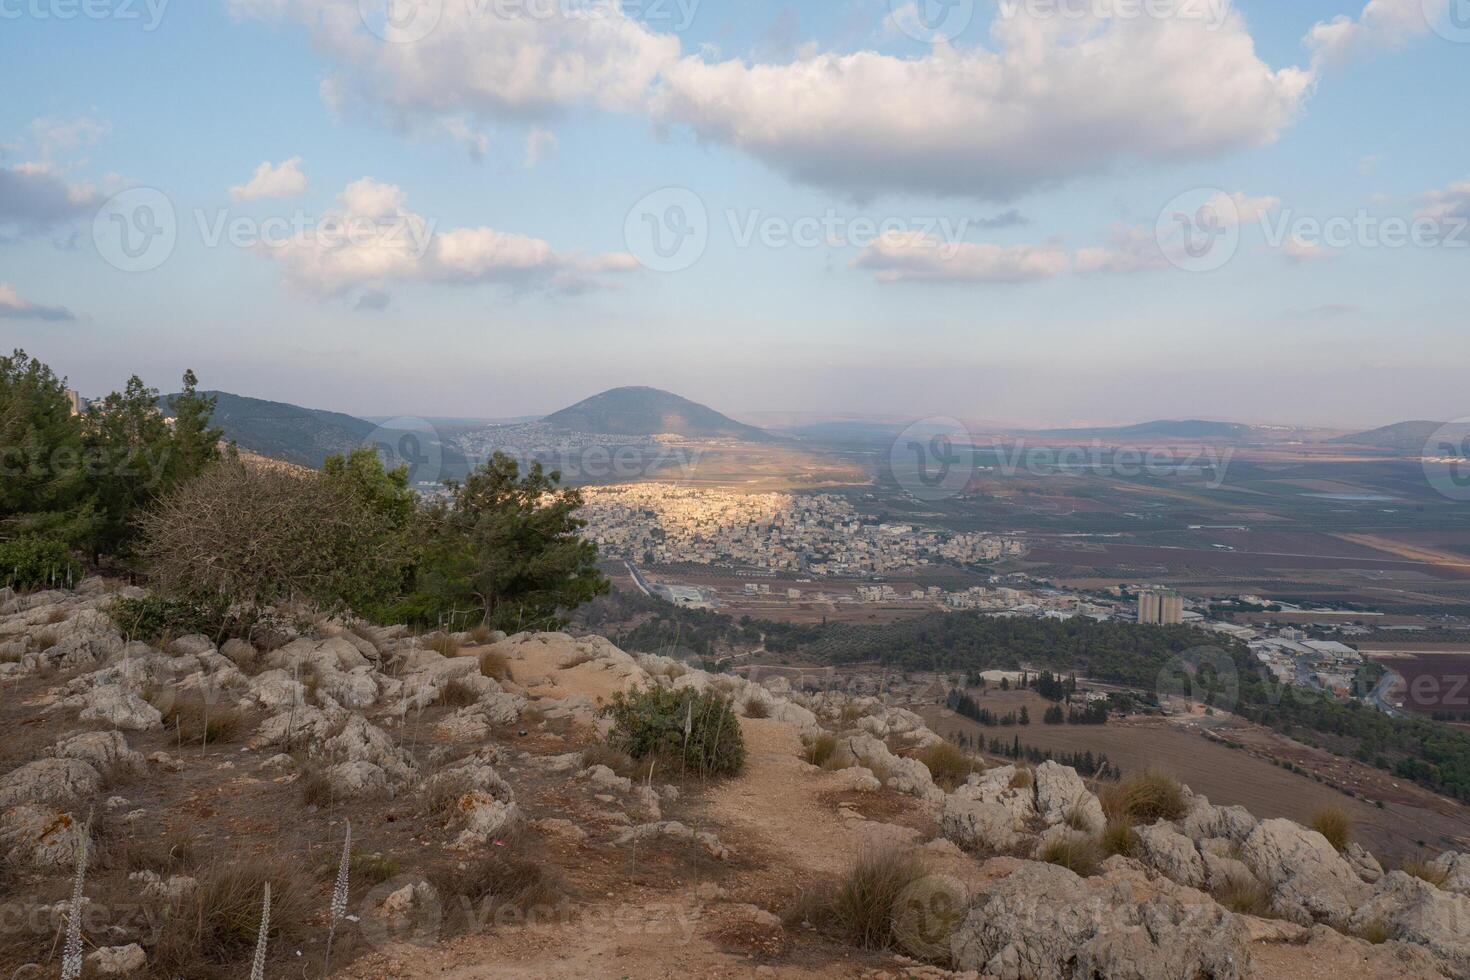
644,411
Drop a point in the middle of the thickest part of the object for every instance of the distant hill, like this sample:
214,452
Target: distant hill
304,436
1403,437
1162,429
649,411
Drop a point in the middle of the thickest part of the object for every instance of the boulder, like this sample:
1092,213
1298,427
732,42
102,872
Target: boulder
1171,854
1062,797
275,689
362,741
1456,869
190,646
1042,922
1204,821
1365,864
483,817
101,750
1309,881
293,728
40,837
56,781
120,708
1414,911
988,814
117,960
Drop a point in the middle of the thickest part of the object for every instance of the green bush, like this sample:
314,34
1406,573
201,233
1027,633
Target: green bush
653,723
31,561
154,618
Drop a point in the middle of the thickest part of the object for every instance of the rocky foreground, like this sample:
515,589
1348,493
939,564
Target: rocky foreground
442,760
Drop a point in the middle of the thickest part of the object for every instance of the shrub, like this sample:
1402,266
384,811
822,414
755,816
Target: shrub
212,930
862,907
1375,931
494,665
1078,855
482,634
502,879
316,789
154,618
756,708
653,722
35,560
442,643
948,764
1334,824
1120,839
820,749
1146,798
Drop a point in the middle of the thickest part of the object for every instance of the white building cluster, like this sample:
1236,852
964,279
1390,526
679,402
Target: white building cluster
817,534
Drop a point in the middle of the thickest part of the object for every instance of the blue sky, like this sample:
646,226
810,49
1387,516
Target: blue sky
1020,166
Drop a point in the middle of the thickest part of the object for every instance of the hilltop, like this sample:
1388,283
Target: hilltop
304,436
649,411
1405,437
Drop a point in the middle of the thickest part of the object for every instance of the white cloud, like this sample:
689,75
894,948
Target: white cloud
1058,97
494,60
1384,25
475,143
1449,211
900,257
35,197
57,137
13,307
1301,250
541,146
373,239
284,179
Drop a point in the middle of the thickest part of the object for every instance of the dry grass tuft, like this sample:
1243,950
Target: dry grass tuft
1022,778
55,616
1078,855
820,750
1425,871
948,764
614,758
1145,799
482,634
860,907
459,693
494,665
756,708
503,880
194,722
1244,895
173,852
1119,839
1336,825
1376,932
442,643
316,789
212,931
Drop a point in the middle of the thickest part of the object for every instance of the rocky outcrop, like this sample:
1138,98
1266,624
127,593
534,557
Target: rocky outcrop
1309,881
1042,922
1414,911
366,761
1172,855
54,781
1062,797
1455,868
994,813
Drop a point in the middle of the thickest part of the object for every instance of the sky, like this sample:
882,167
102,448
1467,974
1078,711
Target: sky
1043,212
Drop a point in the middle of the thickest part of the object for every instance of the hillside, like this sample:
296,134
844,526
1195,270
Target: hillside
1159,429
649,411
304,436
1404,437
486,826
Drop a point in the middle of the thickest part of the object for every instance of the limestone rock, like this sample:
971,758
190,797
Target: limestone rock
1309,881
40,837
117,960
1062,797
1172,855
56,781
1415,911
